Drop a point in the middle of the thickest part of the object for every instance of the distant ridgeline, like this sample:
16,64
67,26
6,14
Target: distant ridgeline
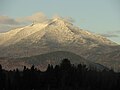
65,76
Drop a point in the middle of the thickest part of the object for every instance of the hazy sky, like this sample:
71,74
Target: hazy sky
99,16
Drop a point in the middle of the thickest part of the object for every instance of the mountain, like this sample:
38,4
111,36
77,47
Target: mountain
53,35
42,61
56,34
111,60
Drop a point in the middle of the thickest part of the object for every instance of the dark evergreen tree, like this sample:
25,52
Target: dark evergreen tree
61,77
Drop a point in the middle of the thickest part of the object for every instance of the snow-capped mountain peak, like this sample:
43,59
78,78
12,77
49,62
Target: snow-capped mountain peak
57,33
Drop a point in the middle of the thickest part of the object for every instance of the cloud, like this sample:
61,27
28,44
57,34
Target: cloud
117,31
5,28
110,35
114,32
8,21
70,19
37,17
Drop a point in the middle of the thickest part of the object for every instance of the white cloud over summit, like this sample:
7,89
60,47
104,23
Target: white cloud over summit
37,17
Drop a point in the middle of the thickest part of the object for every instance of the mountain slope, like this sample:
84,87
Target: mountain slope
57,30
54,35
41,61
111,60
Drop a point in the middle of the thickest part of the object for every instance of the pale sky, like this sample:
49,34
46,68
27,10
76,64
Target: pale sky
98,16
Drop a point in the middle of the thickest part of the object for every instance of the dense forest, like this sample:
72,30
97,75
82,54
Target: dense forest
65,76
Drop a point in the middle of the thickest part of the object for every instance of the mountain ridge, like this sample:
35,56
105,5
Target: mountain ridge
54,58
56,24
54,35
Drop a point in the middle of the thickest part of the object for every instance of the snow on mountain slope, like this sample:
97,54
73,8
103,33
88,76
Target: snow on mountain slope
16,35
57,30
52,35
6,36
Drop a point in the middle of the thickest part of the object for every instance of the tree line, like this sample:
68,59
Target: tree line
65,76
